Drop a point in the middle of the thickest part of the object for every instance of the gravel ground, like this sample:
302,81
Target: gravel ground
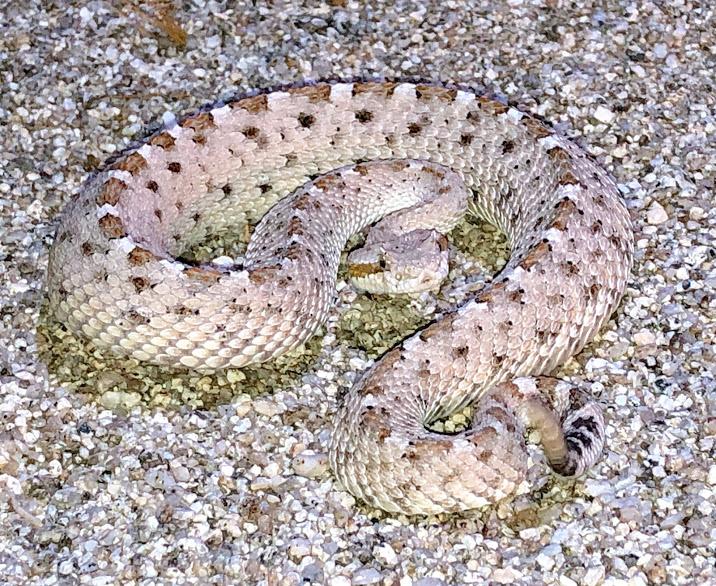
116,473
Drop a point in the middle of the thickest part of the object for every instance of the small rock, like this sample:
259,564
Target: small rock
527,534
672,521
712,475
223,261
596,363
546,562
366,576
604,115
312,573
657,575
620,152
213,42
66,567
594,576
181,474
386,555
114,400
632,514
660,50
429,581
299,548
656,214
267,408
506,575
261,483
85,14
236,376
644,338
696,213
310,465
545,558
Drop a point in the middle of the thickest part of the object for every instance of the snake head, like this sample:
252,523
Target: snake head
411,263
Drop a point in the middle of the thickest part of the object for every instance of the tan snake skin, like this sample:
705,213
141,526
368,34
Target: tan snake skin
114,276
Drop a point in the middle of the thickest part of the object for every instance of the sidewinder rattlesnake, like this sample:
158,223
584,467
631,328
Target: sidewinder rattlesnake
114,275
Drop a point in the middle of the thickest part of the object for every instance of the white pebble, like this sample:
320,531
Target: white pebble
267,408
545,558
660,50
594,576
712,475
644,338
85,14
620,152
656,214
299,548
682,273
604,115
506,575
181,474
55,468
66,567
223,261
366,576
386,555
309,464
597,488
596,363
546,562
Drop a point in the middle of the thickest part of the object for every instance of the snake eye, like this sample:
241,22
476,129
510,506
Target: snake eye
382,264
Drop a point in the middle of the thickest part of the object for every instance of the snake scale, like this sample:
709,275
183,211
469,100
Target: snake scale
350,154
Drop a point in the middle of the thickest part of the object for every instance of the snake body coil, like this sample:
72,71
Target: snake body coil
114,276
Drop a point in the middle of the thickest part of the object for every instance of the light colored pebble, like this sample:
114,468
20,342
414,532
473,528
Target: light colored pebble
712,475
266,407
506,575
366,576
386,555
644,338
299,548
656,214
310,465
429,581
594,576
660,50
696,213
604,115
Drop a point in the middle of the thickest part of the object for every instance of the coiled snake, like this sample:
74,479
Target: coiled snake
351,154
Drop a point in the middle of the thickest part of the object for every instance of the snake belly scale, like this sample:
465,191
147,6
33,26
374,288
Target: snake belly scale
114,276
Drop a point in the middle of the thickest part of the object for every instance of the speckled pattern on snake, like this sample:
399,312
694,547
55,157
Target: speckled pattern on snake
114,275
